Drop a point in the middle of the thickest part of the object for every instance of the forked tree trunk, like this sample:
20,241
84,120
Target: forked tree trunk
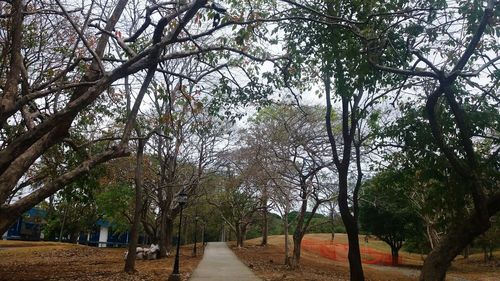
439,259
432,235
349,122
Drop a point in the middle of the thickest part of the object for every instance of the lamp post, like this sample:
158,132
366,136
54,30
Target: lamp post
195,232
181,200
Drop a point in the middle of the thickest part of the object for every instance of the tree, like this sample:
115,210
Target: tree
328,43
57,68
435,192
182,144
74,209
236,202
70,217
297,144
386,212
415,47
489,241
114,203
452,85
138,182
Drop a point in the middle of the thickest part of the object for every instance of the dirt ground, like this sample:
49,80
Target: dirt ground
60,261
317,262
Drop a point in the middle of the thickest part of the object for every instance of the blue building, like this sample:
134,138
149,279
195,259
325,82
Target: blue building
104,236
28,226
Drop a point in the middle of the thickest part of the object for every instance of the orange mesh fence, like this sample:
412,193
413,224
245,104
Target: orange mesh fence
338,252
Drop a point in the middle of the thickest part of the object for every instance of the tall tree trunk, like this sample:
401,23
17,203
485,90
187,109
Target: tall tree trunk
73,238
244,234
185,223
287,247
332,223
300,228
162,234
351,226
466,252
349,125
195,234
239,236
203,236
165,235
265,226
169,234
485,253
265,223
297,242
134,231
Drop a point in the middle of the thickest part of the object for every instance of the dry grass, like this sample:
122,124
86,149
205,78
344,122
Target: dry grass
267,263
59,261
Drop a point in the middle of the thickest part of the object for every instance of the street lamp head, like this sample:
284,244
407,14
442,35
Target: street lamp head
182,198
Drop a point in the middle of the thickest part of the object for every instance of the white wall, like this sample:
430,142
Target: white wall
103,236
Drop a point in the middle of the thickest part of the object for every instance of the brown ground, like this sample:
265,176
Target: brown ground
267,263
56,261
59,261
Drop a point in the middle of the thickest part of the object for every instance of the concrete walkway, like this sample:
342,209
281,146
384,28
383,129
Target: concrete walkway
220,263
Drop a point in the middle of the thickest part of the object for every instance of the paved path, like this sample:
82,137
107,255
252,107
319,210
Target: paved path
220,263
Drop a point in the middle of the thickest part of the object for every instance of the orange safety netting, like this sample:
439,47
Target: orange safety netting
338,252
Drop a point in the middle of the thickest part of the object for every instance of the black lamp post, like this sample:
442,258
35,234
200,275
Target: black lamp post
181,200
